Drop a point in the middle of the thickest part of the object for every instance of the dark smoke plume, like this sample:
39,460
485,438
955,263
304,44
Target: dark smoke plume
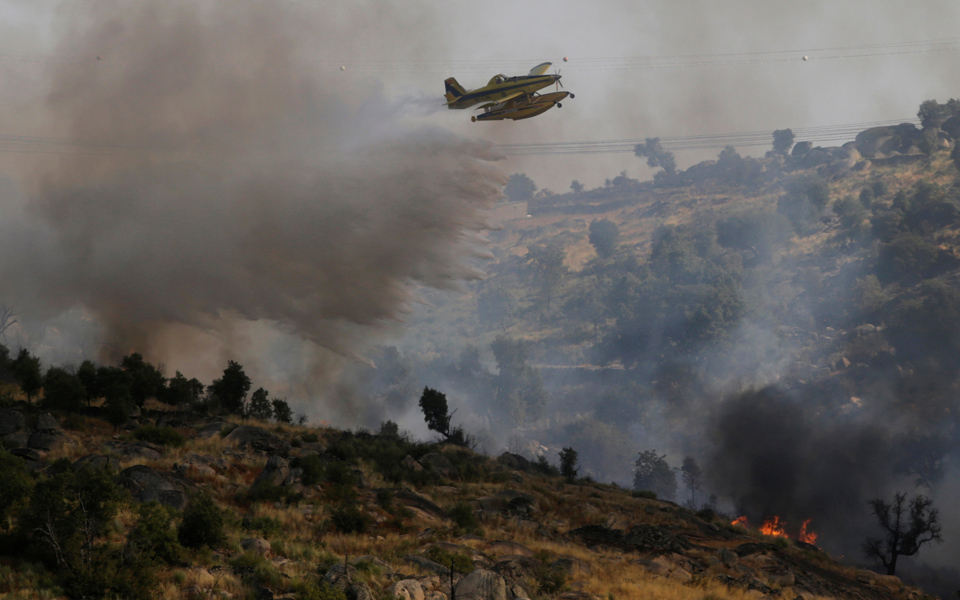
226,180
773,455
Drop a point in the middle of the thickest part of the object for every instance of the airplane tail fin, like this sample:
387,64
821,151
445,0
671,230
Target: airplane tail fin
454,90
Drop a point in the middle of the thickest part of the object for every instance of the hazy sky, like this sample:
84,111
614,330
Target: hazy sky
610,104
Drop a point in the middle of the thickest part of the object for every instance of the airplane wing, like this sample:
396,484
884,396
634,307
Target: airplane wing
540,69
504,100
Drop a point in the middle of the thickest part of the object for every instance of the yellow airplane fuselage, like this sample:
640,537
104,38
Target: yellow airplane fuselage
500,88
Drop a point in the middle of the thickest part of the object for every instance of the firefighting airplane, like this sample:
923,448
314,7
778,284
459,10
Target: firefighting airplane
508,97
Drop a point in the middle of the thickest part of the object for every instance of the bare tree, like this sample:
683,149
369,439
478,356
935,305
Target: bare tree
903,533
7,319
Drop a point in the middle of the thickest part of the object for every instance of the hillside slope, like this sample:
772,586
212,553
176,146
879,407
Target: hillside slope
375,515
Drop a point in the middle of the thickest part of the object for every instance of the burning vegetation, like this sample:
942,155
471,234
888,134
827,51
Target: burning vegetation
777,527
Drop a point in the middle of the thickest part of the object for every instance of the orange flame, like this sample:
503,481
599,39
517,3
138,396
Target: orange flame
809,537
777,528
773,526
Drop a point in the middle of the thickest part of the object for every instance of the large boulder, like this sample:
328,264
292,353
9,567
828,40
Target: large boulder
146,484
47,422
213,429
440,464
412,500
514,461
510,503
516,569
259,439
800,149
11,421
951,127
134,449
482,585
407,589
48,435
48,439
273,474
97,461
882,141
257,545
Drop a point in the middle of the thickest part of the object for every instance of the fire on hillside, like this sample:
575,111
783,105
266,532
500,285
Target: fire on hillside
777,527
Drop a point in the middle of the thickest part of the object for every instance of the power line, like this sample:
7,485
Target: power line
601,63
742,139
745,139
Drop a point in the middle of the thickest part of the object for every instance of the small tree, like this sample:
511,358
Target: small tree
146,381
260,405
62,390
435,411
519,187
181,391
26,370
782,141
903,534
656,156
114,383
202,524
69,512
576,186
568,464
153,536
692,478
231,389
87,372
651,472
281,411
604,236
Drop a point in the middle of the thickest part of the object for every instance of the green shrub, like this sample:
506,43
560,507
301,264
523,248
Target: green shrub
16,487
348,518
309,590
462,514
254,566
202,524
384,499
312,466
648,494
310,438
153,535
458,561
551,581
271,493
162,436
266,526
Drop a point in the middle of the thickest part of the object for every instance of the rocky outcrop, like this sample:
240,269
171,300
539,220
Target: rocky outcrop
511,503
412,500
256,545
273,474
97,461
514,461
639,538
258,439
440,464
878,142
407,589
134,449
48,435
146,484
482,585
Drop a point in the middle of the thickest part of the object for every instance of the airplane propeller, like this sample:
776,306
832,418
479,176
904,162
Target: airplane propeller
558,84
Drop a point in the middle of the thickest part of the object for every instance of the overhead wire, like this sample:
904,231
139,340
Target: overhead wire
744,139
598,63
